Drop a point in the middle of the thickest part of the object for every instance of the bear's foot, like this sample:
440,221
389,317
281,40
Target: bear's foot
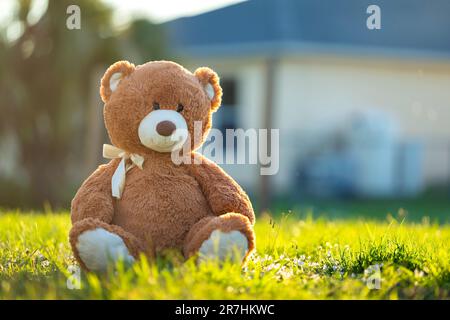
226,237
224,245
99,248
97,244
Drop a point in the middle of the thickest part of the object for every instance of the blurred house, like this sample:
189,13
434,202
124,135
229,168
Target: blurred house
361,112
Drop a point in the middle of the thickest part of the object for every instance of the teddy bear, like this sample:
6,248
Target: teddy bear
142,202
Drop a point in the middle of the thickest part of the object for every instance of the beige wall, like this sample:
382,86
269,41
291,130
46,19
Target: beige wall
315,95
416,93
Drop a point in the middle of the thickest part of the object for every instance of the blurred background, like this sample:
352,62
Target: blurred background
364,115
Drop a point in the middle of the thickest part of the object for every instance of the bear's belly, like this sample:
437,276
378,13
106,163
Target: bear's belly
160,207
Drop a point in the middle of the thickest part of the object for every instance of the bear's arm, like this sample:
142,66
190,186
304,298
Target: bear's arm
222,192
94,198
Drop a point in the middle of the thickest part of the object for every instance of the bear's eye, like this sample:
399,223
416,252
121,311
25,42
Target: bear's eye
180,107
156,106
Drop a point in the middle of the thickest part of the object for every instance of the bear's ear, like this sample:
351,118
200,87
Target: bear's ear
210,82
113,76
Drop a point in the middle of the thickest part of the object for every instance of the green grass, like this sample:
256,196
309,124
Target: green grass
435,207
298,257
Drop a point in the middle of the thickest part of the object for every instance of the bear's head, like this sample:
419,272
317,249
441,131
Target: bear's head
153,107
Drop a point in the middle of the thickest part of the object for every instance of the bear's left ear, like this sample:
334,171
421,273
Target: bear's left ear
113,76
210,82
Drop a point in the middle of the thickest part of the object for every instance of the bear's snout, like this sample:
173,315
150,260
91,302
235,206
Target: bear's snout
165,128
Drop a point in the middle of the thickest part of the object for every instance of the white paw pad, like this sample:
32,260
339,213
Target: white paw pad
97,248
224,245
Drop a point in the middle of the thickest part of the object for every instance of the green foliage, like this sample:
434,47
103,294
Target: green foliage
49,79
298,257
43,85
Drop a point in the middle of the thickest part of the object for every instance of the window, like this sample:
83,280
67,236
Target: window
225,117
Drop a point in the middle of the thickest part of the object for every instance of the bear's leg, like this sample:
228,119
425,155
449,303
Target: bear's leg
96,244
229,236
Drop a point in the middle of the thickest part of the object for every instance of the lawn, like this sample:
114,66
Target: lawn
298,257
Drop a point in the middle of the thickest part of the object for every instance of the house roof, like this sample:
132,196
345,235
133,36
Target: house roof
408,27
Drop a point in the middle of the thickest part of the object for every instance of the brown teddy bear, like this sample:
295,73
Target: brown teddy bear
142,201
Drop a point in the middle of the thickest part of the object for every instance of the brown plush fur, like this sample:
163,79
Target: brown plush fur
164,205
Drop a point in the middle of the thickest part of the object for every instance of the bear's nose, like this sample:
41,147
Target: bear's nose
165,128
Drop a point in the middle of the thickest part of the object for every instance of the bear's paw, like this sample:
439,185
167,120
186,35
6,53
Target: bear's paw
97,248
224,245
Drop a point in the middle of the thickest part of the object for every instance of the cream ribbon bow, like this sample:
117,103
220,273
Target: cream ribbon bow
118,178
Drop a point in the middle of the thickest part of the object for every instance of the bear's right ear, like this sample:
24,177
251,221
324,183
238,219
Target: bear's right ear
113,76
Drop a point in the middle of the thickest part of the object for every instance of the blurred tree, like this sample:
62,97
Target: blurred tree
45,87
151,39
